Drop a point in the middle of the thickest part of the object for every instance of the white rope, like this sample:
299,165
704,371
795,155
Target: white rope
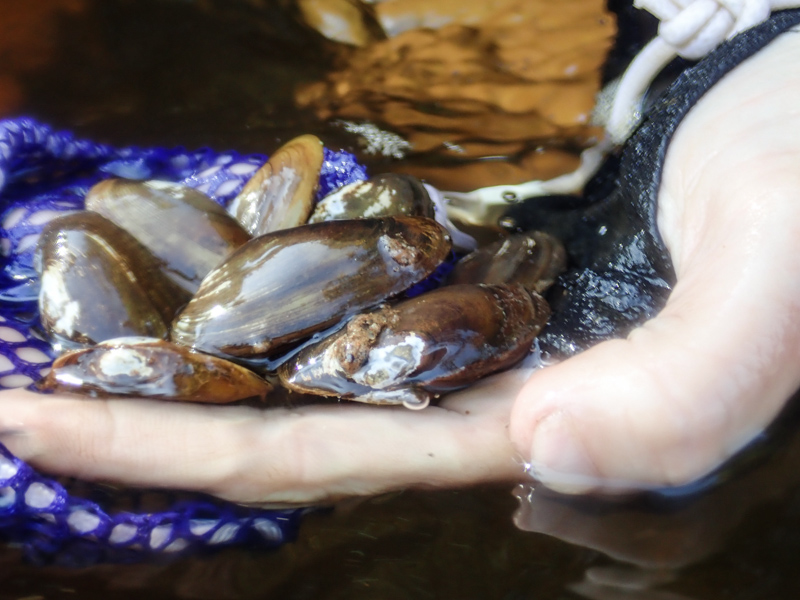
689,29
485,206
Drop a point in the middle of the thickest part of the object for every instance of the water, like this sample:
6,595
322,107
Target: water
168,73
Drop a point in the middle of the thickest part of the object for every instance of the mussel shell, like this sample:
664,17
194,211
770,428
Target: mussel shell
533,259
284,286
98,283
280,195
384,195
437,342
152,368
185,230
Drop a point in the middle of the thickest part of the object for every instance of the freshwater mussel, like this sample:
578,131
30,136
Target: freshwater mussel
533,259
434,343
153,368
284,286
186,231
98,282
280,194
381,196
340,281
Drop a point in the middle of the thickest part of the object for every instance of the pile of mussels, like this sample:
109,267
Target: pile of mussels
157,291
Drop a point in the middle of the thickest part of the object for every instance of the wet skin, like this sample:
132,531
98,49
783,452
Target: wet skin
662,407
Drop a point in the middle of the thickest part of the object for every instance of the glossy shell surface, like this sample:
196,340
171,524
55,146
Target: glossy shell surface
282,287
281,193
185,230
533,259
437,342
152,368
98,283
381,196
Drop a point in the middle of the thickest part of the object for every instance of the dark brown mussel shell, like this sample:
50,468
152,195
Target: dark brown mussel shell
280,195
152,368
282,287
437,342
98,283
533,259
184,229
384,195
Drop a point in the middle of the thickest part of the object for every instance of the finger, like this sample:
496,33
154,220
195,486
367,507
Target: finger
695,384
249,455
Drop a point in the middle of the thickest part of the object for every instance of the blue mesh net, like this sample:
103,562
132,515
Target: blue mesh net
43,174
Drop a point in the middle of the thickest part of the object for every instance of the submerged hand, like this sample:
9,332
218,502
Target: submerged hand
662,407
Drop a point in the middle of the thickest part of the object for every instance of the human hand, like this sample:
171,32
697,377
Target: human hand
653,538
303,455
662,407
695,384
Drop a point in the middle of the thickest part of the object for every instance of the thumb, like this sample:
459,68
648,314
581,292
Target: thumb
663,407
689,388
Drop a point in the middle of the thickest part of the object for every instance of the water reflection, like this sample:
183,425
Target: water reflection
485,93
660,535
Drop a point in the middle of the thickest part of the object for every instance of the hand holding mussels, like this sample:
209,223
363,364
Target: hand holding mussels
149,254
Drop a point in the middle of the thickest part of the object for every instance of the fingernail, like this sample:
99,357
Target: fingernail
19,442
559,459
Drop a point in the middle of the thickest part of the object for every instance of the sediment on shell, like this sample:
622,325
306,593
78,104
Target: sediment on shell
434,343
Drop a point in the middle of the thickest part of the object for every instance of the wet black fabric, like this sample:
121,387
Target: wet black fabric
621,273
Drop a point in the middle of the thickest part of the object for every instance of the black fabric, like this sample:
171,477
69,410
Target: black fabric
621,273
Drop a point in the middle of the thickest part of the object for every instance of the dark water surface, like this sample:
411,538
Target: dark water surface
221,74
